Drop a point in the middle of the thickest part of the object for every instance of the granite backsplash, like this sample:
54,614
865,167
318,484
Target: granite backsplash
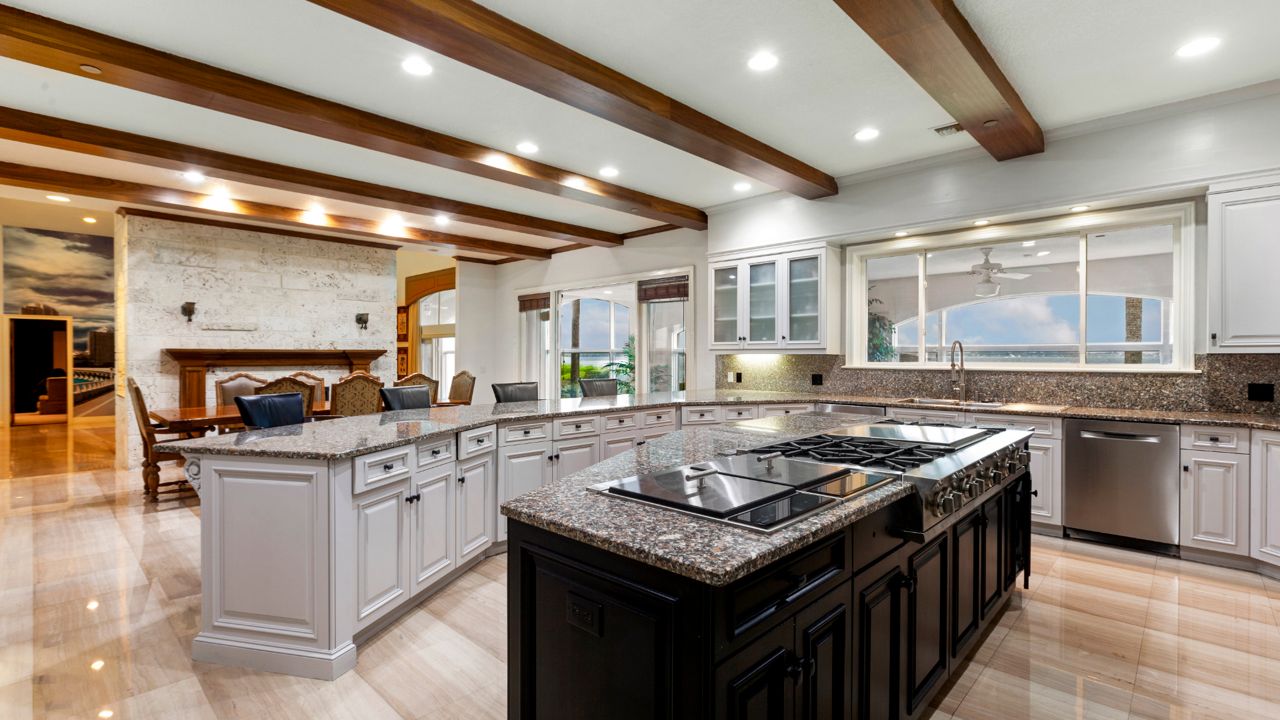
1220,386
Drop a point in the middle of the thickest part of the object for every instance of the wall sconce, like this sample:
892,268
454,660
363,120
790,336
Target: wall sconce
362,319
188,310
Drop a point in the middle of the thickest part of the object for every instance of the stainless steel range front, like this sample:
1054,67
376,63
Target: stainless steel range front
770,487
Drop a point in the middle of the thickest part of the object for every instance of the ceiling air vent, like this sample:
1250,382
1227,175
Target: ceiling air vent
945,130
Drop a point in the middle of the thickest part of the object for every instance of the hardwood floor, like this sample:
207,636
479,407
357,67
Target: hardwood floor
100,598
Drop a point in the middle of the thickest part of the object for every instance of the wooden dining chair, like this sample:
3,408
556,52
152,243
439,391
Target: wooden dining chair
289,384
151,458
462,388
355,394
313,380
421,379
231,387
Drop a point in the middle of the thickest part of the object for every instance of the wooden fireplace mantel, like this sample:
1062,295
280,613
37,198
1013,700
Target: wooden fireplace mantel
194,364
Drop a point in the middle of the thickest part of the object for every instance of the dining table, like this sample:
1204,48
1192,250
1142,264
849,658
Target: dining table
205,418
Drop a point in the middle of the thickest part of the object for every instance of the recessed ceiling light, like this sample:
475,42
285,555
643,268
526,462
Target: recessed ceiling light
58,198
762,61
1028,243
415,65
609,171
608,292
741,186
980,223
89,219
93,605
865,134
91,69
96,665
193,176
1042,253
1079,208
314,215
901,233
498,160
526,147
1199,46
393,225
105,713
442,220
576,183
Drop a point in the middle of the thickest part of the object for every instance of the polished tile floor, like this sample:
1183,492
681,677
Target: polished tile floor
100,597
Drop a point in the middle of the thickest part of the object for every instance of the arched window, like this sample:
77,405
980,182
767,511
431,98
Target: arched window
437,315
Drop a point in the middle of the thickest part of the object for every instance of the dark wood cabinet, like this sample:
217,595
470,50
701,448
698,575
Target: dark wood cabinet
928,605
1017,532
825,648
759,683
966,573
878,640
993,553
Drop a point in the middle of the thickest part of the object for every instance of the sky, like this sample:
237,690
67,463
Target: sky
1039,319
73,272
593,325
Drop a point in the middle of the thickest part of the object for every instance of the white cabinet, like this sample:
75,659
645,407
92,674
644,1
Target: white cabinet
780,301
1264,496
1244,250
475,502
782,410
734,413
434,553
1215,501
616,444
521,468
701,415
575,455
1046,479
383,547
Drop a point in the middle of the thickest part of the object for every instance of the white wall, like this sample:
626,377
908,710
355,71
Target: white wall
252,290
1169,152
489,347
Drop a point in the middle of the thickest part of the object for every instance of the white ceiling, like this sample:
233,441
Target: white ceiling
1070,61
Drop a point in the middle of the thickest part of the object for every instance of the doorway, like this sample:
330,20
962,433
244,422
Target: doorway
39,370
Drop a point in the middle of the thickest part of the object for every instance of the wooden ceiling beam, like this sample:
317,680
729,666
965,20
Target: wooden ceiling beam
938,48
123,191
53,132
474,35
49,43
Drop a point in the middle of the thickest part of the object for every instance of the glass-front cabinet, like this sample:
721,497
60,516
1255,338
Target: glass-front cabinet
774,302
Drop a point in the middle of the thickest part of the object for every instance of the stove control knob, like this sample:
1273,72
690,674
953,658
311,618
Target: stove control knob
973,488
935,503
950,502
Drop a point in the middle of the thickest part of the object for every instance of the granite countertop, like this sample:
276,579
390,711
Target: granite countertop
348,437
704,550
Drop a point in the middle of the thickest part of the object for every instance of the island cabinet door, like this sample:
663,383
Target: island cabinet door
383,549
928,607
993,552
825,656
522,468
434,553
760,680
966,606
878,635
475,492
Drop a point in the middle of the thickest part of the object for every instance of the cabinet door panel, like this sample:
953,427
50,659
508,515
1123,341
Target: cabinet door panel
1215,501
382,552
575,455
521,468
724,306
928,605
476,506
823,642
804,301
1046,480
877,676
762,303
756,683
433,532
1244,234
993,551
611,445
966,609
1264,489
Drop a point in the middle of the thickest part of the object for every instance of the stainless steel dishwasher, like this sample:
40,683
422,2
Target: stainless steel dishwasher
1121,479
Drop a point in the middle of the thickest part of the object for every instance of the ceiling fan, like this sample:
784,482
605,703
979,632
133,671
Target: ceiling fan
986,271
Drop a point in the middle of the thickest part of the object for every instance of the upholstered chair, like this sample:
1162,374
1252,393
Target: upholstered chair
421,379
271,410
234,386
290,385
600,387
515,392
462,388
313,380
412,397
355,394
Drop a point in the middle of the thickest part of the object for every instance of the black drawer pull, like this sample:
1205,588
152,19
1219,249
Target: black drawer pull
388,467
1213,439
462,479
526,432
435,452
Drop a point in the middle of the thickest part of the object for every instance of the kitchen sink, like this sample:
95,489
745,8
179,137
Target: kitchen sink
948,402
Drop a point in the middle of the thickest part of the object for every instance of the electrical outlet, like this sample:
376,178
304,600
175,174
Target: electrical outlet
815,379
737,377
1262,392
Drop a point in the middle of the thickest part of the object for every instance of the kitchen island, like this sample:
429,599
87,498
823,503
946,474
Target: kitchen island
316,536
624,609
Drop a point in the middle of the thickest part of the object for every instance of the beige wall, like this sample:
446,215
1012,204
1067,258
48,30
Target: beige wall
411,261
252,290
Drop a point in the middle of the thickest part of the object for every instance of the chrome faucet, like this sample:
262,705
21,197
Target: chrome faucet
959,382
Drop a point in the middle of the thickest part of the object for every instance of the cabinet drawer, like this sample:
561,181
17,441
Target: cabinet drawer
657,418
382,468
701,415
580,426
778,410
753,601
435,452
1042,426
1221,439
525,433
926,416
618,421
477,442
734,413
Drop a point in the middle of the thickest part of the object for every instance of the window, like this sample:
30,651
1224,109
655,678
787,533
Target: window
666,345
437,351
1105,295
596,338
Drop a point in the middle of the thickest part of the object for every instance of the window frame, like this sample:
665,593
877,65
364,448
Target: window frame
1181,327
